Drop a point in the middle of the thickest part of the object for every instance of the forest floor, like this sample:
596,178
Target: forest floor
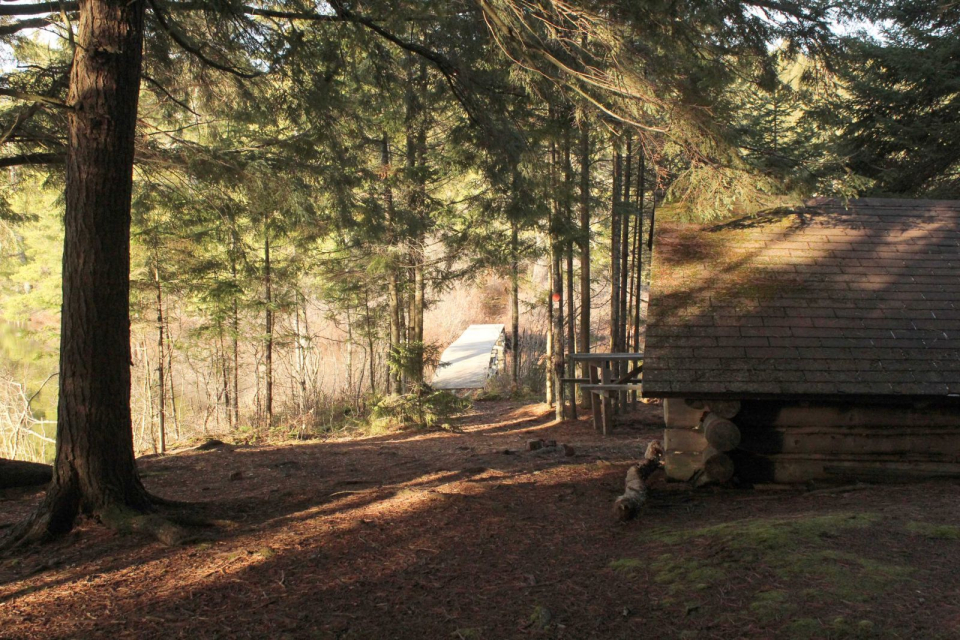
468,535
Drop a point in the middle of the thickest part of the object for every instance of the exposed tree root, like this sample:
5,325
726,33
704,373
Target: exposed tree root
639,478
171,524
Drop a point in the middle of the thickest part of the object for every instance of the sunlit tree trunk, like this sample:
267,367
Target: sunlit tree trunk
94,470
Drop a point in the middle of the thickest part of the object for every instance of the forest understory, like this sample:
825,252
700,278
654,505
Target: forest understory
466,534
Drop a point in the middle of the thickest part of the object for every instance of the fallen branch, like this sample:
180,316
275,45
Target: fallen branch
639,478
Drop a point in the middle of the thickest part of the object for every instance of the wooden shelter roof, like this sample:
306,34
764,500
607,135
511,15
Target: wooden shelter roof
825,300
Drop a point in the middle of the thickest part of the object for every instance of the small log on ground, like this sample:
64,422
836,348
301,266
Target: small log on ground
722,434
16,473
639,479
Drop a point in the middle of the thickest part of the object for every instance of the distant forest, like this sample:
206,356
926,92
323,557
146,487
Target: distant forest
325,194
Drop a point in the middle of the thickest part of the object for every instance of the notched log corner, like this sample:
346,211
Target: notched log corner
640,477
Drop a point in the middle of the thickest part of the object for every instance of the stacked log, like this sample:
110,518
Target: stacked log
698,439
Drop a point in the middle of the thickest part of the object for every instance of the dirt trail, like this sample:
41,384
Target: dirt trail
468,535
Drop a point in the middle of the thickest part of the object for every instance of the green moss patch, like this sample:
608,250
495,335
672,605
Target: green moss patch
790,570
936,531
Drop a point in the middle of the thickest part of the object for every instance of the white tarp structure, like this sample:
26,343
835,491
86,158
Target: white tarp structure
475,356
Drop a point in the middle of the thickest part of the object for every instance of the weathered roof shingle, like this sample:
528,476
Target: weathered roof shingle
826,300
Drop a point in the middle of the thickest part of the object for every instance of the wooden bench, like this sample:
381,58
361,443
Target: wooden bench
603,382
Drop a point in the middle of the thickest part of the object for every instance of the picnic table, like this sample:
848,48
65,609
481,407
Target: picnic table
606,379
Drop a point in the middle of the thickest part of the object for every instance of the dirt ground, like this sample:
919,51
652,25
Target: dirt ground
468,535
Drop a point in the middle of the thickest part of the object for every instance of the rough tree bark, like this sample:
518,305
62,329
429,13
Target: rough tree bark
95,471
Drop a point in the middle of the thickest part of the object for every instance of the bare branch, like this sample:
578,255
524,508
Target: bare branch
169,95
34,97
32,159
29,23
171,31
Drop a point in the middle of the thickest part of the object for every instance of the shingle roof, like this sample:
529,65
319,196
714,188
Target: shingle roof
827,300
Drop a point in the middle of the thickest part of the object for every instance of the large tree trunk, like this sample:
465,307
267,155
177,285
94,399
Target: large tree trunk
95,471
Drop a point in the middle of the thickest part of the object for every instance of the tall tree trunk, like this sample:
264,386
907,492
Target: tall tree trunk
302,345
555,257
417,319
556,281
416,129
161,380
615,248
370,346
638,295
569,369
268,327
394,382
585,295
225,375
349,367
515,298
235,338
173,392
625,245
94,469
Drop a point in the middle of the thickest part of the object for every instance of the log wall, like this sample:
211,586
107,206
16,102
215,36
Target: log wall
797,442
